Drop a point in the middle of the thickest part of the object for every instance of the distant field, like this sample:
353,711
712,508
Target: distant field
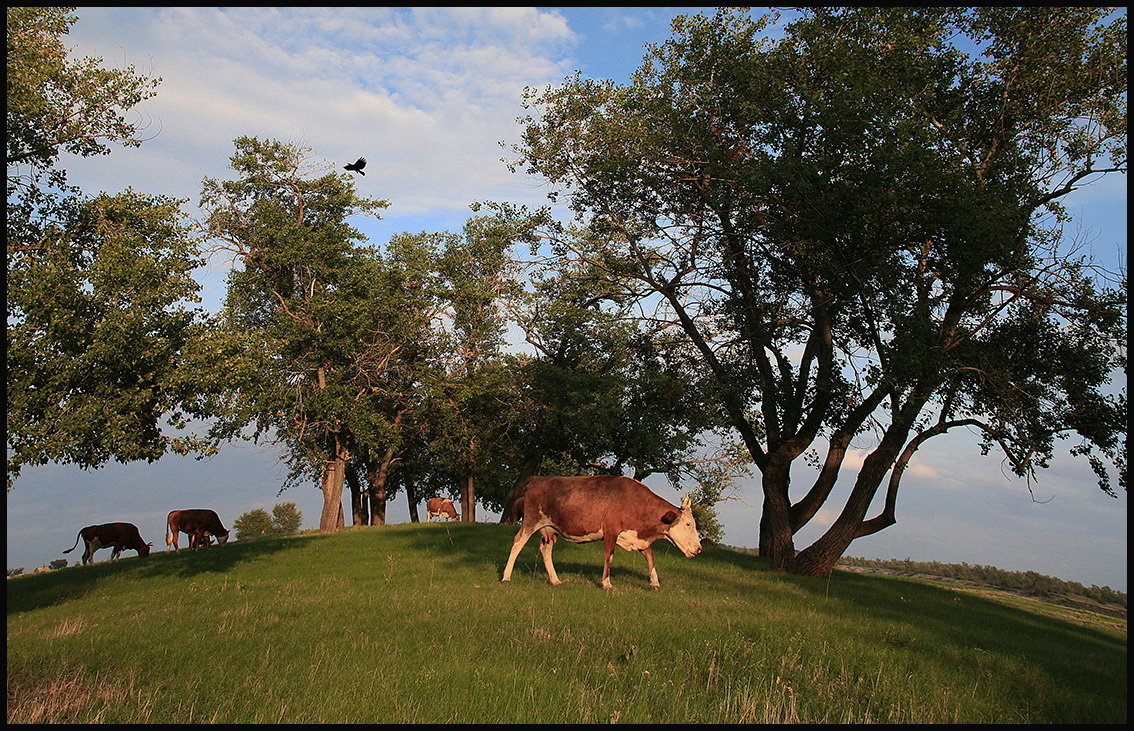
410,624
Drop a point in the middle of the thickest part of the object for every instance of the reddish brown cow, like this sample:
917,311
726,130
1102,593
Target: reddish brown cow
619,510
200,522
440,506
119,536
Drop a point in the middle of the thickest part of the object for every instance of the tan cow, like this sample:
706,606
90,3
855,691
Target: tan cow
440,506
617,510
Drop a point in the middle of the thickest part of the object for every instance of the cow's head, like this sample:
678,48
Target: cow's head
145,549
222,538
681,529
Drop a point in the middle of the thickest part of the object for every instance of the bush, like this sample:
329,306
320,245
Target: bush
284,521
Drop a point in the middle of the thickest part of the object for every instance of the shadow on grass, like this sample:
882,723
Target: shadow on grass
32,592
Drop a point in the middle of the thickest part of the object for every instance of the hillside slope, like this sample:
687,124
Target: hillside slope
410,624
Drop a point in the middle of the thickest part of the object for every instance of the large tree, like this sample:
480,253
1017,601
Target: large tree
472,395
300,301
98,327
857,227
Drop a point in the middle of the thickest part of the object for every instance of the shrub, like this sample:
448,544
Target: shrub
284,520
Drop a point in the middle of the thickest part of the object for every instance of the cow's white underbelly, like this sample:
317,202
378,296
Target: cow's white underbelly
629,540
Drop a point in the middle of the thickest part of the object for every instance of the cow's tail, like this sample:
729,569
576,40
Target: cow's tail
72,548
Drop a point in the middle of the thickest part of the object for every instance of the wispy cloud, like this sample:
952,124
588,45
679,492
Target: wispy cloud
427,94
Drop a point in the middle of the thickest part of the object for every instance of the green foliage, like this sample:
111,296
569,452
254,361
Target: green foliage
253,524
97,325
724,641
97,332
284,520
59,563
57,104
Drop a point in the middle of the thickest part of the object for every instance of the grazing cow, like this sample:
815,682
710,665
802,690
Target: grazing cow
119,536
440,506
197,524
619,510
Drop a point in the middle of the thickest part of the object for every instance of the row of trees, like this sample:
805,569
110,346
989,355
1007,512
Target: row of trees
1022,582
383,368
781,247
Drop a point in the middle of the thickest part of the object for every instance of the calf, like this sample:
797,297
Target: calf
197,524
440,506
119,536
199,539
618,510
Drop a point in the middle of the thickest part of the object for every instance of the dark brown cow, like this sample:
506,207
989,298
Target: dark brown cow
119,536
618,510
201,522
440,506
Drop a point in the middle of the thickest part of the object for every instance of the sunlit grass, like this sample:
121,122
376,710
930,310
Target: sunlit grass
411,624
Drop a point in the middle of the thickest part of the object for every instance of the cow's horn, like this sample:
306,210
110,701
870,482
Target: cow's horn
686,502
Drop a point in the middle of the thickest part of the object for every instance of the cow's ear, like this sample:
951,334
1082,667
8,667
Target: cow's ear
669,517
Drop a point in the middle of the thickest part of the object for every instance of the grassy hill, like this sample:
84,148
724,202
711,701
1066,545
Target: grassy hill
409,623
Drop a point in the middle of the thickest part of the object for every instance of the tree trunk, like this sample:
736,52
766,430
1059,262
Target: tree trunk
334,472
376,475
358,506
776,542
468,498
411,498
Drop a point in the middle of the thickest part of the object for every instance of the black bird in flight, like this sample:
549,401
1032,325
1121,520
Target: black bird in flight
357,166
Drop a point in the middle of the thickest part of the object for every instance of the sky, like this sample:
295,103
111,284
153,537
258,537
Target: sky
430,97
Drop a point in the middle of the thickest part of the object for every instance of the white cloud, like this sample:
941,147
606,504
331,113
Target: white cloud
426,94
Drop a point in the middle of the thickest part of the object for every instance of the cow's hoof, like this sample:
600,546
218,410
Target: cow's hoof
655,587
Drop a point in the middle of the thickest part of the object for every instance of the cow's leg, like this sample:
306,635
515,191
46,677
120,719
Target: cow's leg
92,546
609,541
546,543
171,539
114,554
648,552
518,542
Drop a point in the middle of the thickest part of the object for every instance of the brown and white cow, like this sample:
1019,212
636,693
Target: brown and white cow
198,521
440,506
618,510
119,536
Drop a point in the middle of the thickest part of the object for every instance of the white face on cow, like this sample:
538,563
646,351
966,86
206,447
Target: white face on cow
683,531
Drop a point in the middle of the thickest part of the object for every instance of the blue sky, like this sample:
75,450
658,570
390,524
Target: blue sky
428,95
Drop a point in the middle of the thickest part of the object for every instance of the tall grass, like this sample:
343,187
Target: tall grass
410,624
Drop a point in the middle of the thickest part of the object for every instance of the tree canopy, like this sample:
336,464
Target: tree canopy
98,287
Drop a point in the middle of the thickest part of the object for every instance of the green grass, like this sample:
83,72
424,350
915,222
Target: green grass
410,624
